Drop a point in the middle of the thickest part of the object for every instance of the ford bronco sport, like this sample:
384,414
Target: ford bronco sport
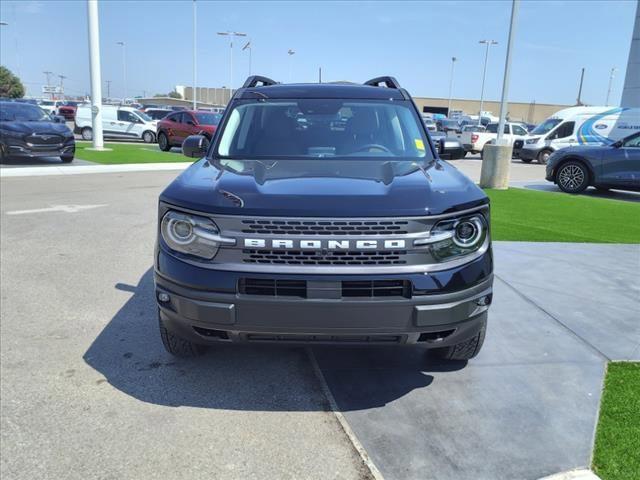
322,213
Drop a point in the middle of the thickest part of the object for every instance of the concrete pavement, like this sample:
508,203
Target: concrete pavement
88,392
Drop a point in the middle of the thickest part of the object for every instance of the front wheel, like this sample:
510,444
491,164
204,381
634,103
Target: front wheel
572,177
543,156
87,133
163,142
148,137
176,345
464,350
66,158
526,160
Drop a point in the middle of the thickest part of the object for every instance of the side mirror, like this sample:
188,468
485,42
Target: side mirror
58,119
195,146
618,144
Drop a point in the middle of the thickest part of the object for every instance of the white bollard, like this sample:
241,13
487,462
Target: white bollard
496,160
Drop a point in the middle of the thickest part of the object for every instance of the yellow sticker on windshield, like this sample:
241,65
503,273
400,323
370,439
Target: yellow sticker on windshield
419,144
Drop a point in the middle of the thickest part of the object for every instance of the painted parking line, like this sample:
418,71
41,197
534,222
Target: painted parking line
56,208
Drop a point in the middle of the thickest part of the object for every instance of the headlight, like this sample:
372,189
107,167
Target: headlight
462,235
531,141
190,234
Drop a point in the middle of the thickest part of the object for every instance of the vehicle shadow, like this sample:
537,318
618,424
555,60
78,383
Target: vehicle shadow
40,162
129,355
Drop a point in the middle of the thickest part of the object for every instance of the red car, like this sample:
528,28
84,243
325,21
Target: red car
68,110
175,127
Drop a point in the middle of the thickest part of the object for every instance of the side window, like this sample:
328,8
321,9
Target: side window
187,118
176,117
563,131
633,142
124,116
518,130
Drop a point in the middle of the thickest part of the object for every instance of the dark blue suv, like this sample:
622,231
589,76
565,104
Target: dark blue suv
322,213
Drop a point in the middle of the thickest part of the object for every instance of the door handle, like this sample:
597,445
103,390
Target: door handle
113,123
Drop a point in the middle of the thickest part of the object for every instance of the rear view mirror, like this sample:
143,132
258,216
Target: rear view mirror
195,146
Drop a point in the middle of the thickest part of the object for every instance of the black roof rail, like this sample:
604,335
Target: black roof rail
390,82
254,80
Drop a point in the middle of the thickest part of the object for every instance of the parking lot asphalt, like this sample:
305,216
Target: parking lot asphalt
88,392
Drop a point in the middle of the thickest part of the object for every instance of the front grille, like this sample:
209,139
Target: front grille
377,288
331,257
325,227
348,288
43,139
273,288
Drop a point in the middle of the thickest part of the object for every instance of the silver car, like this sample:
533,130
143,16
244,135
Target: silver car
617,166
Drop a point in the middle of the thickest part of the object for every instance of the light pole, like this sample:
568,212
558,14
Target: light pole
61,77
231,35
248,47
48,75
124,69
195,83
94,62
613,70
291,53
488,43
453,62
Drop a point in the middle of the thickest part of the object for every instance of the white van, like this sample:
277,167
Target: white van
117,122
579,126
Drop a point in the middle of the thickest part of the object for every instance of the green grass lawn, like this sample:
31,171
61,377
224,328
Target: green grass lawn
125,153
527,215
617,450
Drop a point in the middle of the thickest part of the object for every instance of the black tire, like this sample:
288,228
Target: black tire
87,133
66,158
526,160
544,155
572,177
464,350
148,137
178,346
3,156
163,142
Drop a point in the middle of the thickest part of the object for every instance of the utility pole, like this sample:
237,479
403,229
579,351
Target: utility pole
48,75
195,71
613,70
291,53
497,157
231,35
94,62
453,62
579,102
488,43
248,47
108,82
319,74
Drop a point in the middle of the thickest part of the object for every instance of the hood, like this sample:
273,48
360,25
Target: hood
36,127
440,189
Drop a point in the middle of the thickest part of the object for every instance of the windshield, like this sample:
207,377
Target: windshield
144,116
323,128
208,118
22,112
546,126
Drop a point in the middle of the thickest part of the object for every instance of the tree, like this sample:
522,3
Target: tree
175,94
10,85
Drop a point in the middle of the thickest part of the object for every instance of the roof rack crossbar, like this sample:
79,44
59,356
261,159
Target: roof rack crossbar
254,80
390,82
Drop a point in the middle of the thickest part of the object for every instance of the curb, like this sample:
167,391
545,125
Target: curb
89,169
580,474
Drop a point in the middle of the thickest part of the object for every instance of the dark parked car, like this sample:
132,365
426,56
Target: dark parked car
449,126
290,231
175,127
28,131
574,169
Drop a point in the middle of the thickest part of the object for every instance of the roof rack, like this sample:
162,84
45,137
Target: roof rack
254,80
390,82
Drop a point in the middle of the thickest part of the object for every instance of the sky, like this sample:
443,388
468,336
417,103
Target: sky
354,41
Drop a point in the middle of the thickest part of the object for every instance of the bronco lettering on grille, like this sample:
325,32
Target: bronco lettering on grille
323,244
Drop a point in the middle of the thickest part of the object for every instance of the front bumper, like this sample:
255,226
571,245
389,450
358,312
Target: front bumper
529,153
444,308
22,149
